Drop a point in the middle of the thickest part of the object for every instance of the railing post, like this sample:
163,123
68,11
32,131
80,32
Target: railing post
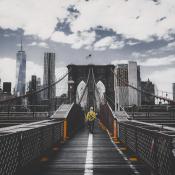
115,131
65,130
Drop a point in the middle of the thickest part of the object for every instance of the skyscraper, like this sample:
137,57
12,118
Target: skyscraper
121,87
134,80
147,86
20,72
49,75
7,87
127,74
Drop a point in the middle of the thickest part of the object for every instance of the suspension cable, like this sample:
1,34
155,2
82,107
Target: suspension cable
37,91
143,91
96,88
84,88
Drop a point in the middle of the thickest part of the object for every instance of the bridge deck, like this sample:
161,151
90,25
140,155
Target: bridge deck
88,154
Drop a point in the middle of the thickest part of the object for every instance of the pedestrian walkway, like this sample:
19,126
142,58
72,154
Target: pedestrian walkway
87,154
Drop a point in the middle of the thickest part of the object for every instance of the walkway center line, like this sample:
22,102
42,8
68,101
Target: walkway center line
89,157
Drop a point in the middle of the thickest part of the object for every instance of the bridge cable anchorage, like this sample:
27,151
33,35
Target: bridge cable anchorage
143,91
37,91
84,88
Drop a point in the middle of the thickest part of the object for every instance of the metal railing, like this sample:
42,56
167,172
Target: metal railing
73,117
106,116
153,144
21,144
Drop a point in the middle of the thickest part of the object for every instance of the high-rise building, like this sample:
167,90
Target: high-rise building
34,85
20,72
32,99
148,87
49,75
127,74
134,80
174,91
39,87
7,87
121,85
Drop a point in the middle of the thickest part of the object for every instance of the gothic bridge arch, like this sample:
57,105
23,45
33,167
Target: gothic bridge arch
102,73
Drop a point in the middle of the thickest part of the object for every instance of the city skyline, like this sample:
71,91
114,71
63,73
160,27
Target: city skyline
74,31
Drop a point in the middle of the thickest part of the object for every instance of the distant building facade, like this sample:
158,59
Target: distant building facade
0,86
127,74
5,93
7,87
49,75
174,91
120,83
20,72
34,85
148,87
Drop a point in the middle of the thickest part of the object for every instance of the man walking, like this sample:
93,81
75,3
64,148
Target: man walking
91,116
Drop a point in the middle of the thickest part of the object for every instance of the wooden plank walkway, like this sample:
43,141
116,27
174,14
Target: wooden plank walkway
88,154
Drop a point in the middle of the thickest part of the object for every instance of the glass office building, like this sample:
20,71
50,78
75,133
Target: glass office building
20,72
49,75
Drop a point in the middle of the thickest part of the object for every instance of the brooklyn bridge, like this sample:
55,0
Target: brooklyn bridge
53,139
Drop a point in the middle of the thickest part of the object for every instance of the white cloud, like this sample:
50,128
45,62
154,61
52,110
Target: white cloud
138,55
35,17
108,42
62,38
171,45
156,62
39,44
132,43
134,19
139,19
78,40
104,42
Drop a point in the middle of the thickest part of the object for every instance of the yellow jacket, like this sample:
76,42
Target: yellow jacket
91,115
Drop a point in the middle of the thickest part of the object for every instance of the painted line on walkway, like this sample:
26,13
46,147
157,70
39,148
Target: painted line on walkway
89,156
124,156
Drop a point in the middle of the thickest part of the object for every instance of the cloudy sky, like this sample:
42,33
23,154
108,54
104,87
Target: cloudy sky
113,31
